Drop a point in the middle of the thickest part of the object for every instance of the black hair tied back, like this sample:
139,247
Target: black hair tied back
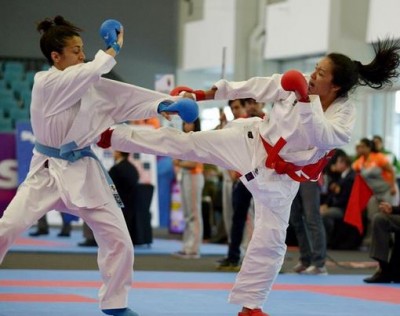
384,67
59,20
48,23
54,34
44,26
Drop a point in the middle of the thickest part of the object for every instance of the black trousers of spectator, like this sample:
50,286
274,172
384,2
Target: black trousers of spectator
383,226
241,198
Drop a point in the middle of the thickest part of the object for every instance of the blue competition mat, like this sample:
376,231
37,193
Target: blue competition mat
65,293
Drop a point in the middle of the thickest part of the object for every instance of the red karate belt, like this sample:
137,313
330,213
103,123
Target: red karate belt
305,173
358,200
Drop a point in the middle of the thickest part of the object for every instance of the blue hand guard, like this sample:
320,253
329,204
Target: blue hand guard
187,109
109,32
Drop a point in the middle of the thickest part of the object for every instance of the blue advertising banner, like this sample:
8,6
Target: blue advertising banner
8,170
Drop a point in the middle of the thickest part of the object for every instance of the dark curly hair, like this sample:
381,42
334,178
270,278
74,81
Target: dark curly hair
55,32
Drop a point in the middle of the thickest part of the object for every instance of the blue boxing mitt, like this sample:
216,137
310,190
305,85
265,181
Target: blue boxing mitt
109,31
186,108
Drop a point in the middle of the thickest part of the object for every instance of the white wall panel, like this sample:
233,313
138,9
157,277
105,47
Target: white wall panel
204,40
296,27
383,19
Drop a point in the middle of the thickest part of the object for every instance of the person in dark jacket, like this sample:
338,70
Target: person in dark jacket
125,177
338,195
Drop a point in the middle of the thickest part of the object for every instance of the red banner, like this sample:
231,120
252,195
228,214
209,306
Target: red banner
359,197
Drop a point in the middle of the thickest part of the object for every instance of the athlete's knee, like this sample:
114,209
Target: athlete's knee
271,241
122,242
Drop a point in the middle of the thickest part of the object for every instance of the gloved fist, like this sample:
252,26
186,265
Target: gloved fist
293,80
186,108
105,139
109,31
199,94
177,90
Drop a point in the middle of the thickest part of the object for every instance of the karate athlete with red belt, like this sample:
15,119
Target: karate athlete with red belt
273,154
71,106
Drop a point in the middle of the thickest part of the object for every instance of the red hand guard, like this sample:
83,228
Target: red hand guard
176,91
105,139
200,94
293,80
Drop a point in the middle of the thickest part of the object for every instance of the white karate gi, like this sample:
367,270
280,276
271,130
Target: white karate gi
310,134
76,104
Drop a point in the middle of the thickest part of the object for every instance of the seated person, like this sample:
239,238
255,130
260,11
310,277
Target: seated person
379,174
379,146
338,195
384,224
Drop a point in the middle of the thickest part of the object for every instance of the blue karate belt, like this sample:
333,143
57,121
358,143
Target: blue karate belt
70,153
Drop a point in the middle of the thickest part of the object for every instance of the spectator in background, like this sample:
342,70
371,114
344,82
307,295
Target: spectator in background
333,209
191,178
125,177
376,169
241,202
379,147
358,151
307,222
42,227
165,176
254,108
229,176
330,175
152,121
378,173
238,108
89,240
211,200
384,224
165,180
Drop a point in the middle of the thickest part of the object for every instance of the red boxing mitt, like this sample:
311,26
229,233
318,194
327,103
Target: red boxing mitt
293,80
176,91
105,139
199,94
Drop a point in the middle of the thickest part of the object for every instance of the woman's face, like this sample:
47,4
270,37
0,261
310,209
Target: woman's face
363,148
71,55
378,143
321,80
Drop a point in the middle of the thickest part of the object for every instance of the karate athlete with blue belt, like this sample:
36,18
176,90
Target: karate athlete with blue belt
71,106
274,154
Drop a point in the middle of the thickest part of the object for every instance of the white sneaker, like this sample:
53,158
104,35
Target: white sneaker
313,270
299,267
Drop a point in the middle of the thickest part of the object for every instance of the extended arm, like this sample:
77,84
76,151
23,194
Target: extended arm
262,89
